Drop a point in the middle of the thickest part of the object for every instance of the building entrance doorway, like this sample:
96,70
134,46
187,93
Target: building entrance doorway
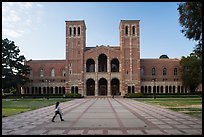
90,87
102,87
115,86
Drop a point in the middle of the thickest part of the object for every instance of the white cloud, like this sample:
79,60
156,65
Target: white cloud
18,17
39,5
12,33
25,5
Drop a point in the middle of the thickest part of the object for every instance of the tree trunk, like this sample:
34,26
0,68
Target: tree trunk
18,89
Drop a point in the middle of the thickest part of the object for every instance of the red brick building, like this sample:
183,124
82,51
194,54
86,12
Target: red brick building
103,70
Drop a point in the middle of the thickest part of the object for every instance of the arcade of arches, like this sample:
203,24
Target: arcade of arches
102,64
163,89
44,90
102,89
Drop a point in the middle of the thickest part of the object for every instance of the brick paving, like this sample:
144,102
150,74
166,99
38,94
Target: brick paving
102,116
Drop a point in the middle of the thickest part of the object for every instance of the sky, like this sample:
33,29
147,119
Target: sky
38,28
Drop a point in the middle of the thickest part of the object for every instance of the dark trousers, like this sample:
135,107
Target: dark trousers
57,112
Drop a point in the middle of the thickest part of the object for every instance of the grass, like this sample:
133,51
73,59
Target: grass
16,106
12,111
190,106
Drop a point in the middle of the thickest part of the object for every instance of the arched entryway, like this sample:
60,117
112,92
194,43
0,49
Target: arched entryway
90,87
102,87
115,86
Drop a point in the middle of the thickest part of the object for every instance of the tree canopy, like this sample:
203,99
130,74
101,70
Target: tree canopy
191,72
191,21
14,70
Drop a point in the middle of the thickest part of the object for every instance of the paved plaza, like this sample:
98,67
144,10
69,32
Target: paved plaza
102,116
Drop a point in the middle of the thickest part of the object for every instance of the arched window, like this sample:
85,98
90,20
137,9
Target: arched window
114,65
157,89
90,65
175,72
153,71
63,73
149,89
74,31
70,31
164,72
78,31
56,90
126,30
102,63
52,72
178,89
41,72
166,89
174,89
169,89
133,30
161,89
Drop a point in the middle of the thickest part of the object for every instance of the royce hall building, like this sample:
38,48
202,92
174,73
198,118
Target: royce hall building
104,70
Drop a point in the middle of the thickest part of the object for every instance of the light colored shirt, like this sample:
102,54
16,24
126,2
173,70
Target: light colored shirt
58,109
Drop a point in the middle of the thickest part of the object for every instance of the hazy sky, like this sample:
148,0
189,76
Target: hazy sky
38,28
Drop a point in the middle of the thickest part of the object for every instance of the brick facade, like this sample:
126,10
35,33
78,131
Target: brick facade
103,70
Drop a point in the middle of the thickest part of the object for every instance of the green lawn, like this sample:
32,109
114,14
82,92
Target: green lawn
191,106
15,106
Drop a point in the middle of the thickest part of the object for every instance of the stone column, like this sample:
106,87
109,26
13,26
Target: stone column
96,87
121,91
84,91
96,65
108,64
176,91
109,85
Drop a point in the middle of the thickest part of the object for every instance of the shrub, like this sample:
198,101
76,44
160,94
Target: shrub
134,95
73,95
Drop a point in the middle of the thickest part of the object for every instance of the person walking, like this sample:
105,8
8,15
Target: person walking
57,111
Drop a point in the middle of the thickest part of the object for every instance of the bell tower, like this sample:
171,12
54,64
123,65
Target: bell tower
130,55
75,45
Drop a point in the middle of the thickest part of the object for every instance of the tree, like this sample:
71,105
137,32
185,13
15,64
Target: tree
191,72
14,71
191,21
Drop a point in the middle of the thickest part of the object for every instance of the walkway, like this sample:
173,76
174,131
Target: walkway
103,116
